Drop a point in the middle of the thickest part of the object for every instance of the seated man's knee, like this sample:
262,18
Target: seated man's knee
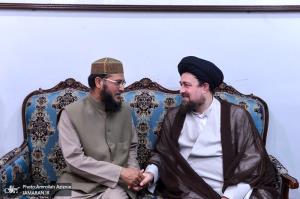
115,193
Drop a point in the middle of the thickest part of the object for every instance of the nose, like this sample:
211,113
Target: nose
181,89
121,88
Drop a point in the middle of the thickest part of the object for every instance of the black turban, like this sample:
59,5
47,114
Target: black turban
204,70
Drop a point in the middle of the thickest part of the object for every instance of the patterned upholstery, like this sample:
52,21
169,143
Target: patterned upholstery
40,119
39,159
257,108
148,109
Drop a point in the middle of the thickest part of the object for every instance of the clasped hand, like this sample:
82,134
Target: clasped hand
136,179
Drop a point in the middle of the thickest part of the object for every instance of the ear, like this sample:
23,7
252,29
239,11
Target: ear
206,87
98,82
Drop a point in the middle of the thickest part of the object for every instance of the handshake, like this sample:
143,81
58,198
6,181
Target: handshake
136,179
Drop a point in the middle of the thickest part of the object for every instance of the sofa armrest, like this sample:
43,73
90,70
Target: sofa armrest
14,167
290,181
279,167
286,181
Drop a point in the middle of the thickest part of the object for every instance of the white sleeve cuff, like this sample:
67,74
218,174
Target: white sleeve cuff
241,190
152,168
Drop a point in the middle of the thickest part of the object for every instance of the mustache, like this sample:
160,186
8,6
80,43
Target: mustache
185,95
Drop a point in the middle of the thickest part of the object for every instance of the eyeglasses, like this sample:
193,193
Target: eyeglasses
117,82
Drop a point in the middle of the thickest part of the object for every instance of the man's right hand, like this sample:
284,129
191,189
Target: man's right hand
132,176
148,178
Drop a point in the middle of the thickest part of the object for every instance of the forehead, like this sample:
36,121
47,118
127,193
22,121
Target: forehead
116,76
188,77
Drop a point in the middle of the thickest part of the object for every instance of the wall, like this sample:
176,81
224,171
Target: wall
258,53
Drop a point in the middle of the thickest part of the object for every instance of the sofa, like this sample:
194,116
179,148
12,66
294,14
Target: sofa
39,159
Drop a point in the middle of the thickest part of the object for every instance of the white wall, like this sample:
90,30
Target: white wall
258,53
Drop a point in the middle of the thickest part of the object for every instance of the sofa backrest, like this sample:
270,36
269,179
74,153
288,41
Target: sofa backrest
39,112
148,101
256,106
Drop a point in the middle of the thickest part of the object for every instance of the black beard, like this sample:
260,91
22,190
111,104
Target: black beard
111,105
188,107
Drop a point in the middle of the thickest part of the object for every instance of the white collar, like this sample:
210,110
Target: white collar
207,112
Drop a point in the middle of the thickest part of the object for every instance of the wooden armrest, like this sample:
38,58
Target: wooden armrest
287,180
290,181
